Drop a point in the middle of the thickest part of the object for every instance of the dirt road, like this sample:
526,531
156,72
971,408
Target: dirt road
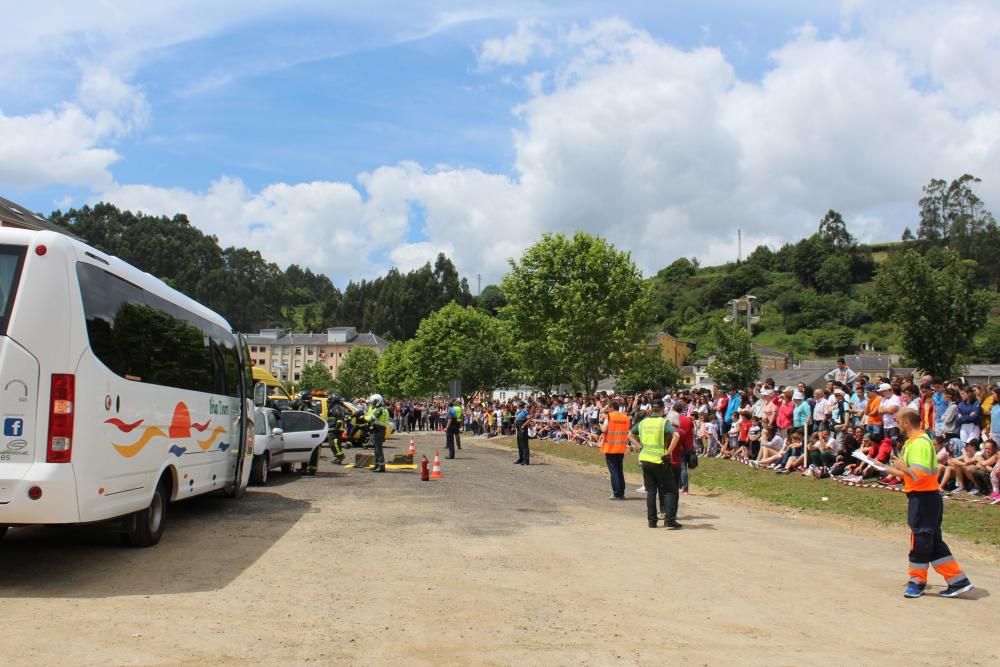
495,564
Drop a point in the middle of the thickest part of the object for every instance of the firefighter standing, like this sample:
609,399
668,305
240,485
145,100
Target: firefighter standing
378,417
918,468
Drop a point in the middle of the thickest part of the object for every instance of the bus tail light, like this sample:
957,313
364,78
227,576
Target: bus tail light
61,398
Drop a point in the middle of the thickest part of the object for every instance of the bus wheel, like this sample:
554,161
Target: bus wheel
150,522
260,469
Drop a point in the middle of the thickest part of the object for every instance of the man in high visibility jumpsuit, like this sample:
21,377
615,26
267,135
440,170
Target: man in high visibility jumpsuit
378,417
614,442
650,437
917,467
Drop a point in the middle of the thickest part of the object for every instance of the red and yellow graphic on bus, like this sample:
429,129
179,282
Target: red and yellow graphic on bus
180,429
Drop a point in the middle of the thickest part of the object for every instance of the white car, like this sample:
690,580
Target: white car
284,439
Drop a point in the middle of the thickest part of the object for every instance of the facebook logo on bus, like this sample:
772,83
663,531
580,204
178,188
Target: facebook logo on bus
13,426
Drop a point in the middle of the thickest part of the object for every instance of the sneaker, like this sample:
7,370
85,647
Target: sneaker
914,590
994,496
954,590
974,492
684,492
673,525
641,489
755,465
661,516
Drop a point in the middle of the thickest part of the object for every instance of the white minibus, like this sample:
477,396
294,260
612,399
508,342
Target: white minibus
118,394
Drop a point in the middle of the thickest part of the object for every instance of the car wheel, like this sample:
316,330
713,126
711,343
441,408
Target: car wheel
150,522
260,468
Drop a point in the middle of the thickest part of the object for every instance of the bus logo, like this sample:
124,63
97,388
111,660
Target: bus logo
13,427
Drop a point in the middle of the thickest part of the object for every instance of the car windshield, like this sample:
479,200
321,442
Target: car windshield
11,258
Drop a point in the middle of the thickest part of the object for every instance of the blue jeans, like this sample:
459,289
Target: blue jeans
684,474
616,466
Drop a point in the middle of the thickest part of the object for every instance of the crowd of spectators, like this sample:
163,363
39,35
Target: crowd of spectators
814,431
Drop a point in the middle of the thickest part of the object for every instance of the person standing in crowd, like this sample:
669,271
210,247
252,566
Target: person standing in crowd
917,466
452,428
801,414
685,427
841,374
873,418
888,407
969,415
614,442
649,436
732,409
521,428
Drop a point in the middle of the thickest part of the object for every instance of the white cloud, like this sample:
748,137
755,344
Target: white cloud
666,152
72,143
516,48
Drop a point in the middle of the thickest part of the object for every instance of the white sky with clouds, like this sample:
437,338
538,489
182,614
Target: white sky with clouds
614,128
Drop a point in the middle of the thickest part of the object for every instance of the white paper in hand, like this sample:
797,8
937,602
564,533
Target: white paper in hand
859,455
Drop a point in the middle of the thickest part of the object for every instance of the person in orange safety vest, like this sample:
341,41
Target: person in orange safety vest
917,467
614,443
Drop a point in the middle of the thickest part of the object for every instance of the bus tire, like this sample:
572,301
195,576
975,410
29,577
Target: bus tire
261,467
150,522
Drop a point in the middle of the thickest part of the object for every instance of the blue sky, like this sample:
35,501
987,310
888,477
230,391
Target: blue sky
396,130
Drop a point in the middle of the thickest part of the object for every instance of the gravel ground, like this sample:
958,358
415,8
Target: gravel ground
494,564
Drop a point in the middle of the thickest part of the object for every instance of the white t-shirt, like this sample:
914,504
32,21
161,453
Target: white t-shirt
889,420
819,411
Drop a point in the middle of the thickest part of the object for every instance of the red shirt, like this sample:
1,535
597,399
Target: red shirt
685,428
744,430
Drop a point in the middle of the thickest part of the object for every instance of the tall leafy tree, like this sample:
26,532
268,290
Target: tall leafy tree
935,307
833,230
735,364
356,373
576,305
315,376
464,344
393,377
646,369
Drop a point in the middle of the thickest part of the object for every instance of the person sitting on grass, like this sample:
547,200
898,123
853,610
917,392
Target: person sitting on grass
755,436
771,449
956,463
870,449
793,455
975,476
995,484
883,454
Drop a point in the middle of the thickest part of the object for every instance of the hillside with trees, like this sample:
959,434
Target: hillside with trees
821,296
253,293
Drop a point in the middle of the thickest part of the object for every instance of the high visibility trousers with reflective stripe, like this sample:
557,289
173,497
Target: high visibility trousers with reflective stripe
927,547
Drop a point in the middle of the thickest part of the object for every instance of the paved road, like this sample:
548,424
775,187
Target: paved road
495,564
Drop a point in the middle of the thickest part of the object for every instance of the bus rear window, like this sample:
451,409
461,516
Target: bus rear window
11,261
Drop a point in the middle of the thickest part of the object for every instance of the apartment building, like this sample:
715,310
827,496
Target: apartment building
284,353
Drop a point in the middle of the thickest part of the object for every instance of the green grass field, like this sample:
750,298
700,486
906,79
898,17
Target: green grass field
978,523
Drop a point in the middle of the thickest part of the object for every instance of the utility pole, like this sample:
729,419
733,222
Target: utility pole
739,245
479,283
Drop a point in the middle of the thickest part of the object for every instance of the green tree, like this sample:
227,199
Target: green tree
460,343
356,374
393,374
576,305
315,376
834,275
647,369
833,230
735,364
491,300
988,343
936,309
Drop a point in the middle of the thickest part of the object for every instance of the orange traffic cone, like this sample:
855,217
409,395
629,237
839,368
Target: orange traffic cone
436,470
413,448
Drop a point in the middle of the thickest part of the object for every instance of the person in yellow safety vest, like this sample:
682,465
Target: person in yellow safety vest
917,466
453,428
614,443
650,437
378,417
